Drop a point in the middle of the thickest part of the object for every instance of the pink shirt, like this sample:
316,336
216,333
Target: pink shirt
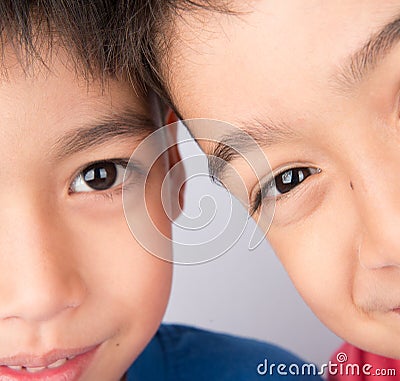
371,367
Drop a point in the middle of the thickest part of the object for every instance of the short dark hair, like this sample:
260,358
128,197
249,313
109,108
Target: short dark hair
104,37
150,33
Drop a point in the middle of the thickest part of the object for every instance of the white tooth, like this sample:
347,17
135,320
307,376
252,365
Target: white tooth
34,370
15,367
57,363
71,357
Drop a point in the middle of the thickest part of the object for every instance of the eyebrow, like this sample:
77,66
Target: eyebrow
371,53
125,124
247,136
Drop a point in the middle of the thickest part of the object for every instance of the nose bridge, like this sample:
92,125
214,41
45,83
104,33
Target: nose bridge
39,279
378,200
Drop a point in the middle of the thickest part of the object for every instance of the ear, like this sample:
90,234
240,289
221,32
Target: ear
170,116
177,175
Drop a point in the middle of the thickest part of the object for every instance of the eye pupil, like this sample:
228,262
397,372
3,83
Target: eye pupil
100,176
288,180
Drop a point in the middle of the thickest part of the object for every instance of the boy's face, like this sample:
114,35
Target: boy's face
73,280
317,83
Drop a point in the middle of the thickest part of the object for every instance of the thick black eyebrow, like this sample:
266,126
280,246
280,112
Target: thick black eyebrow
371,53
125,124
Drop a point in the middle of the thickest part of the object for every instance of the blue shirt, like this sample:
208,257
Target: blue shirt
181,353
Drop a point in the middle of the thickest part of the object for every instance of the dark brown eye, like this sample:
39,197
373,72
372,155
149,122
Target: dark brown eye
286,181
99,176
282,183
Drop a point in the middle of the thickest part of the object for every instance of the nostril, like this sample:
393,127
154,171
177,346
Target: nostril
38,303
373,258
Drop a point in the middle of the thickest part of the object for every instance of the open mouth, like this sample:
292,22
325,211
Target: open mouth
53,367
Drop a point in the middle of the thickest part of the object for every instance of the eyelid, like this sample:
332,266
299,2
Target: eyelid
106,195
84,166
287,194
269,183
124,162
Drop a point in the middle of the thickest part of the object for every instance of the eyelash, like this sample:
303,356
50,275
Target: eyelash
262,193
108,193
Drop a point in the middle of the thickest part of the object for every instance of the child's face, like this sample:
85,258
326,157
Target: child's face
302,78
73,280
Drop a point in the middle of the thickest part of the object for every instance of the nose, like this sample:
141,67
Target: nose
379,206
38,278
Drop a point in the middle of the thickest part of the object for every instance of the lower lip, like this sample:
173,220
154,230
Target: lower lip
72,370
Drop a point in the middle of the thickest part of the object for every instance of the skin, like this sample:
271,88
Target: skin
280,63
72,274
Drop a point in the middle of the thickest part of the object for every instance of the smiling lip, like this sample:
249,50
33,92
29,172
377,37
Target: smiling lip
67,365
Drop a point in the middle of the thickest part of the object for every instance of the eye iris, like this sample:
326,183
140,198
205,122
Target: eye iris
100,176
288,180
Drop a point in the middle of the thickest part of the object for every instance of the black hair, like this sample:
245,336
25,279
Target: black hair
104,37
150,33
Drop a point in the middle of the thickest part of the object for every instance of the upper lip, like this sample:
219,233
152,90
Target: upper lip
34,361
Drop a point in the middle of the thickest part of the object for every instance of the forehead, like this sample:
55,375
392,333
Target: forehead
57,87
276,54
41,104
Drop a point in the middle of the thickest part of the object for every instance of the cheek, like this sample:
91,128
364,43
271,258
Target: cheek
128,291
125,283
320,257
148,207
